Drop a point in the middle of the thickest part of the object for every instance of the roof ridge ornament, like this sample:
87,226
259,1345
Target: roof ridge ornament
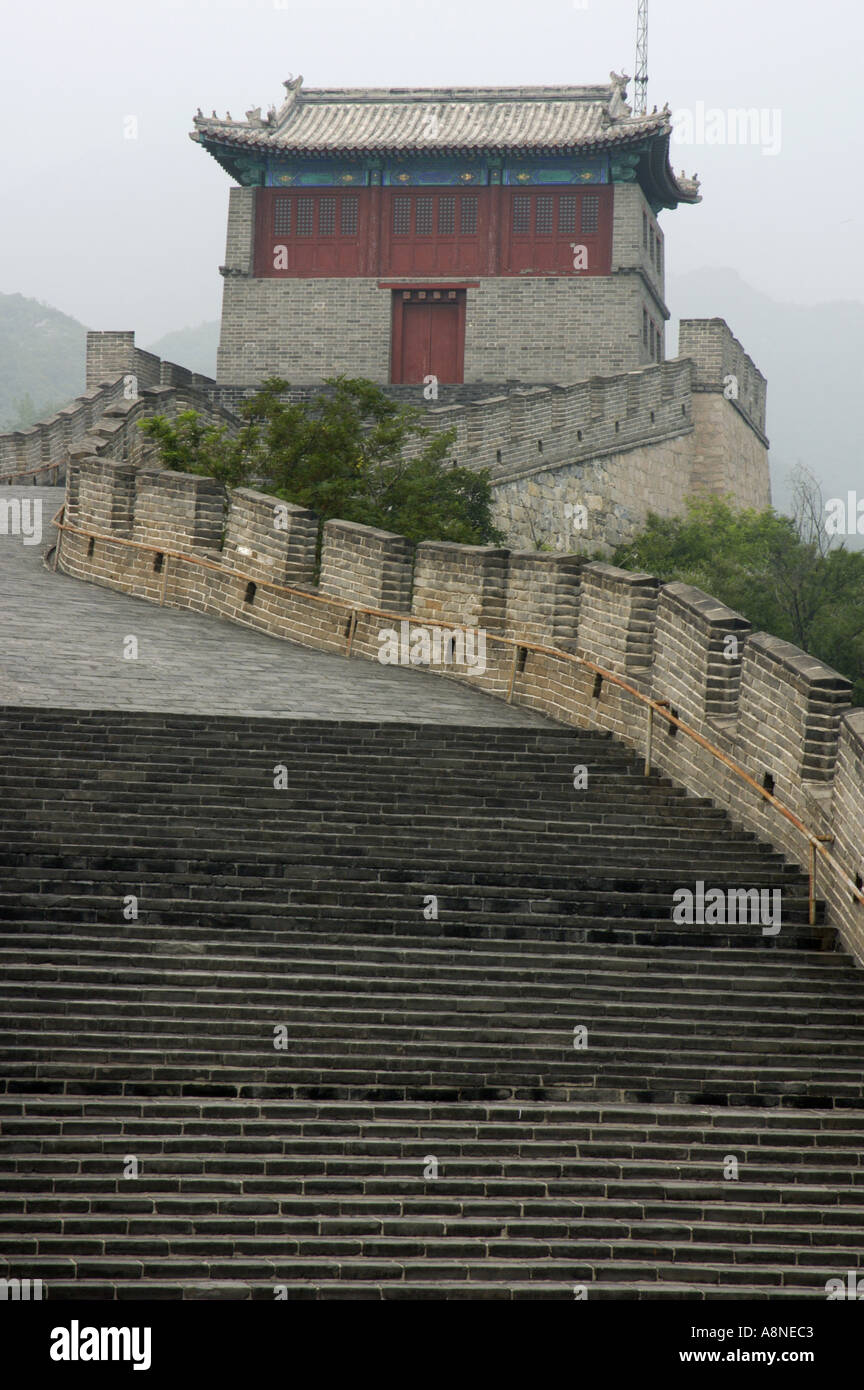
617,107
292,87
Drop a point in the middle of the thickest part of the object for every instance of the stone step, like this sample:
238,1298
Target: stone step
557,1166
322,1268
515,1289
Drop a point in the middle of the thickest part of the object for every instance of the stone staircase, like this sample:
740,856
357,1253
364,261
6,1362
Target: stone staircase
329,1091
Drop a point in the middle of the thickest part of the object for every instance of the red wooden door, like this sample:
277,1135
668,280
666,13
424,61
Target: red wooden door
428,336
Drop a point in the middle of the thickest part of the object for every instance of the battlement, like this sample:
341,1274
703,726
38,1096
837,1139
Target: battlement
722,365
618,446
612,447
764,705
124,383
535,428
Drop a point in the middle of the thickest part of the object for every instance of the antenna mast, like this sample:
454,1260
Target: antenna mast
640,82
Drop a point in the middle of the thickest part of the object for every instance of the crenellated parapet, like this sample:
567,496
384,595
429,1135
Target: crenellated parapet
575,468
124,384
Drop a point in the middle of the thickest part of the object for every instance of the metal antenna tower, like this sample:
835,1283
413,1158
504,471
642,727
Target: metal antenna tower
640,82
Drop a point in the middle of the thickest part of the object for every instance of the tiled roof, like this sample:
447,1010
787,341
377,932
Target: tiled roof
452,118
466,120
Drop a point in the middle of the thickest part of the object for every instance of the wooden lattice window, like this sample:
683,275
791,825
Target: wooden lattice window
326,216
521,215
348,223
545,206
567,214
590,214
468,215
446,214
305,216
401,216
423,217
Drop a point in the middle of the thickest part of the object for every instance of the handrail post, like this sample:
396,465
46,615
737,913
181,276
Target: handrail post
513,673
352,628
164,581
60,528
811,902
658,704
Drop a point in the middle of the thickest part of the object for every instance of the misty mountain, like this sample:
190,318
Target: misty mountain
193,348
812,356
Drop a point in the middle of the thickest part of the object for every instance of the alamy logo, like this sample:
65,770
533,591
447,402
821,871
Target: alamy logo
853,1288
21,1290
21,516
701,125
413,645
719,906
77,1343
845,515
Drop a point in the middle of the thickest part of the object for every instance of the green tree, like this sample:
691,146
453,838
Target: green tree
784,581
188,444
350,452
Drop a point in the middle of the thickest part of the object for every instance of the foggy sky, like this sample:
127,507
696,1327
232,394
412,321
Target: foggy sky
128,233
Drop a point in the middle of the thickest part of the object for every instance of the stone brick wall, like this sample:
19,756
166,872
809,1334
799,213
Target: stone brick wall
180,511
618,446
717,355
780,715
270,540
463,583
109,407
240,236
617,612
728,456
563,329
535,329
100,493
617,492
697,652
366,566
303,330
845,820
631,257
543,596
110,354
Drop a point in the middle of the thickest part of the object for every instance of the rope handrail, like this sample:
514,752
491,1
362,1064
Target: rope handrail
817,843
55,464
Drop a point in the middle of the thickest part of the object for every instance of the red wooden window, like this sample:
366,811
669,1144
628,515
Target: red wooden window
468,214
590,214
568,206
446,215
543,231
309,233
434,233
305,216
423,208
